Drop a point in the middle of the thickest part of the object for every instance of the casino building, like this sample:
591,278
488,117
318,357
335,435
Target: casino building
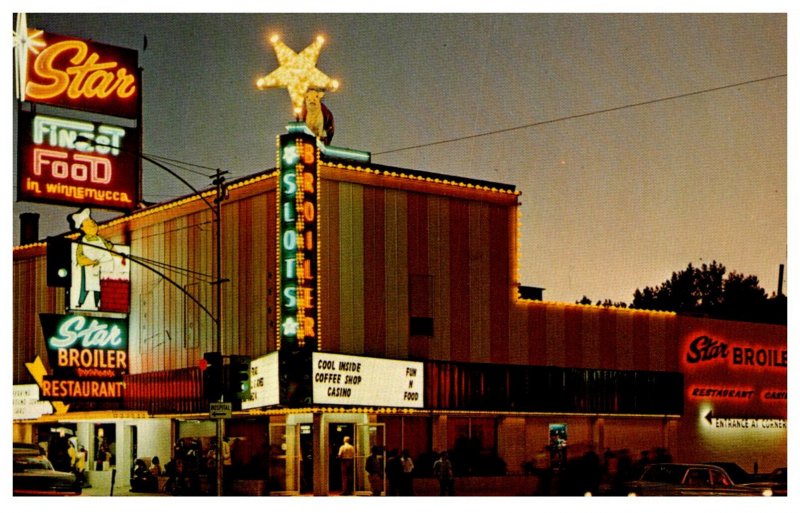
374,302
412,335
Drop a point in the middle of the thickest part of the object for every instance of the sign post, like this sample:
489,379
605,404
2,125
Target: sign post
220,410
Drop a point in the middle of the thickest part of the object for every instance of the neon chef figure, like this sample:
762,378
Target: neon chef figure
90,255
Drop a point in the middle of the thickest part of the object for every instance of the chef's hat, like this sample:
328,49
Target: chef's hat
77,219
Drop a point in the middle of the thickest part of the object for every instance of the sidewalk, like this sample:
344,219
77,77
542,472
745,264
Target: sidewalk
119,491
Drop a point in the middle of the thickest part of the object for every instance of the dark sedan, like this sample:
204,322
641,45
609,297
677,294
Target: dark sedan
688,479
35,475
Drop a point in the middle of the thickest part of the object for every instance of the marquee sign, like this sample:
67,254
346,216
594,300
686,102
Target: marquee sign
79,74
363,381
88,355
98,169
264,384
297,244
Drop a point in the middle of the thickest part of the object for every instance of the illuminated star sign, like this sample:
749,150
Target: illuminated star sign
297,72
290,155
25,41
290,326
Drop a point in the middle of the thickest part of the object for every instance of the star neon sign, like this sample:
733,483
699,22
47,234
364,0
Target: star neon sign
25,41
297,72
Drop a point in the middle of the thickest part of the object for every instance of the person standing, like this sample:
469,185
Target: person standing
443,472
80,466
407,478
347,454
394,472
374,468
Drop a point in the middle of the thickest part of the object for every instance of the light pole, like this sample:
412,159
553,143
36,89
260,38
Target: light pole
218,180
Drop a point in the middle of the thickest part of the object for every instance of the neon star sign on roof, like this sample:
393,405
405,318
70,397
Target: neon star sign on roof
297,72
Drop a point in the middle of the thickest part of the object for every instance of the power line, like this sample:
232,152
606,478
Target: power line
583,115
181,164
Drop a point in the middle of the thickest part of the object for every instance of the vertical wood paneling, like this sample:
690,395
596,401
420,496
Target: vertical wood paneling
556,343
230,290
573,333
418,250
656,342
375,266
438,252
396,276
518,343
537,334
330,233
625,342
244,283
459,281
479,274
671,341
205,241
608,339
351,256
590,352
641,341
263,268
499,284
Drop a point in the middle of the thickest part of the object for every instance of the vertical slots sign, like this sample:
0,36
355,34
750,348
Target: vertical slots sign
297,245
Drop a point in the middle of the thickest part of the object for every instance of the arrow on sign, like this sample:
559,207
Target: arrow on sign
710,418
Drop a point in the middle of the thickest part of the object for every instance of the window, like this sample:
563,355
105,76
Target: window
697,477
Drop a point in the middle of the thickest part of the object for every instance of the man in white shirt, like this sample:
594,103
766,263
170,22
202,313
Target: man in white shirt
347,454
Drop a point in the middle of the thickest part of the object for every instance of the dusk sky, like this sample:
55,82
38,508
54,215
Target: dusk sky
640,142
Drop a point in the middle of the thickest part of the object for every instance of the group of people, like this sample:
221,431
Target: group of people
190,461
144,479
399,470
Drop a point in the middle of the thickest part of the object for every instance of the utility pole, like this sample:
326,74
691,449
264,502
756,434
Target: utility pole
219,182
216,210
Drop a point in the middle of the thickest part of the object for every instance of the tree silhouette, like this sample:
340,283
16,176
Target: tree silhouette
708,291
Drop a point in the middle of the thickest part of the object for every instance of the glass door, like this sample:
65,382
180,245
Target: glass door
284,458
370,465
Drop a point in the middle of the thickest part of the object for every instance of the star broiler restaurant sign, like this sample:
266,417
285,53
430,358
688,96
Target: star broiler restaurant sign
88,355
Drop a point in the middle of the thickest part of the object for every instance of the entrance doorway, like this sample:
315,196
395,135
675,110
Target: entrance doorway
306,458
336,434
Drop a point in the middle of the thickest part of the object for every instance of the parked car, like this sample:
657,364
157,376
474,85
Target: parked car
775,481
737,473
688,479
35,475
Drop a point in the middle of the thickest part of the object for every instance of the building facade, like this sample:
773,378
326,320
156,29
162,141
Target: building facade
418,271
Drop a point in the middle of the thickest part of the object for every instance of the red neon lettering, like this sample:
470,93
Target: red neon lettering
89,78
84,168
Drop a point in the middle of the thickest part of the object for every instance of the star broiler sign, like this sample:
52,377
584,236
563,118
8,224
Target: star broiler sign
88,355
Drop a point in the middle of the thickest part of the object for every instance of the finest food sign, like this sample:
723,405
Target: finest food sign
88,355
69,161
73,162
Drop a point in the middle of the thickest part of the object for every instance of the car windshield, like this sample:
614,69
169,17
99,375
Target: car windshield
663,474
25,463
